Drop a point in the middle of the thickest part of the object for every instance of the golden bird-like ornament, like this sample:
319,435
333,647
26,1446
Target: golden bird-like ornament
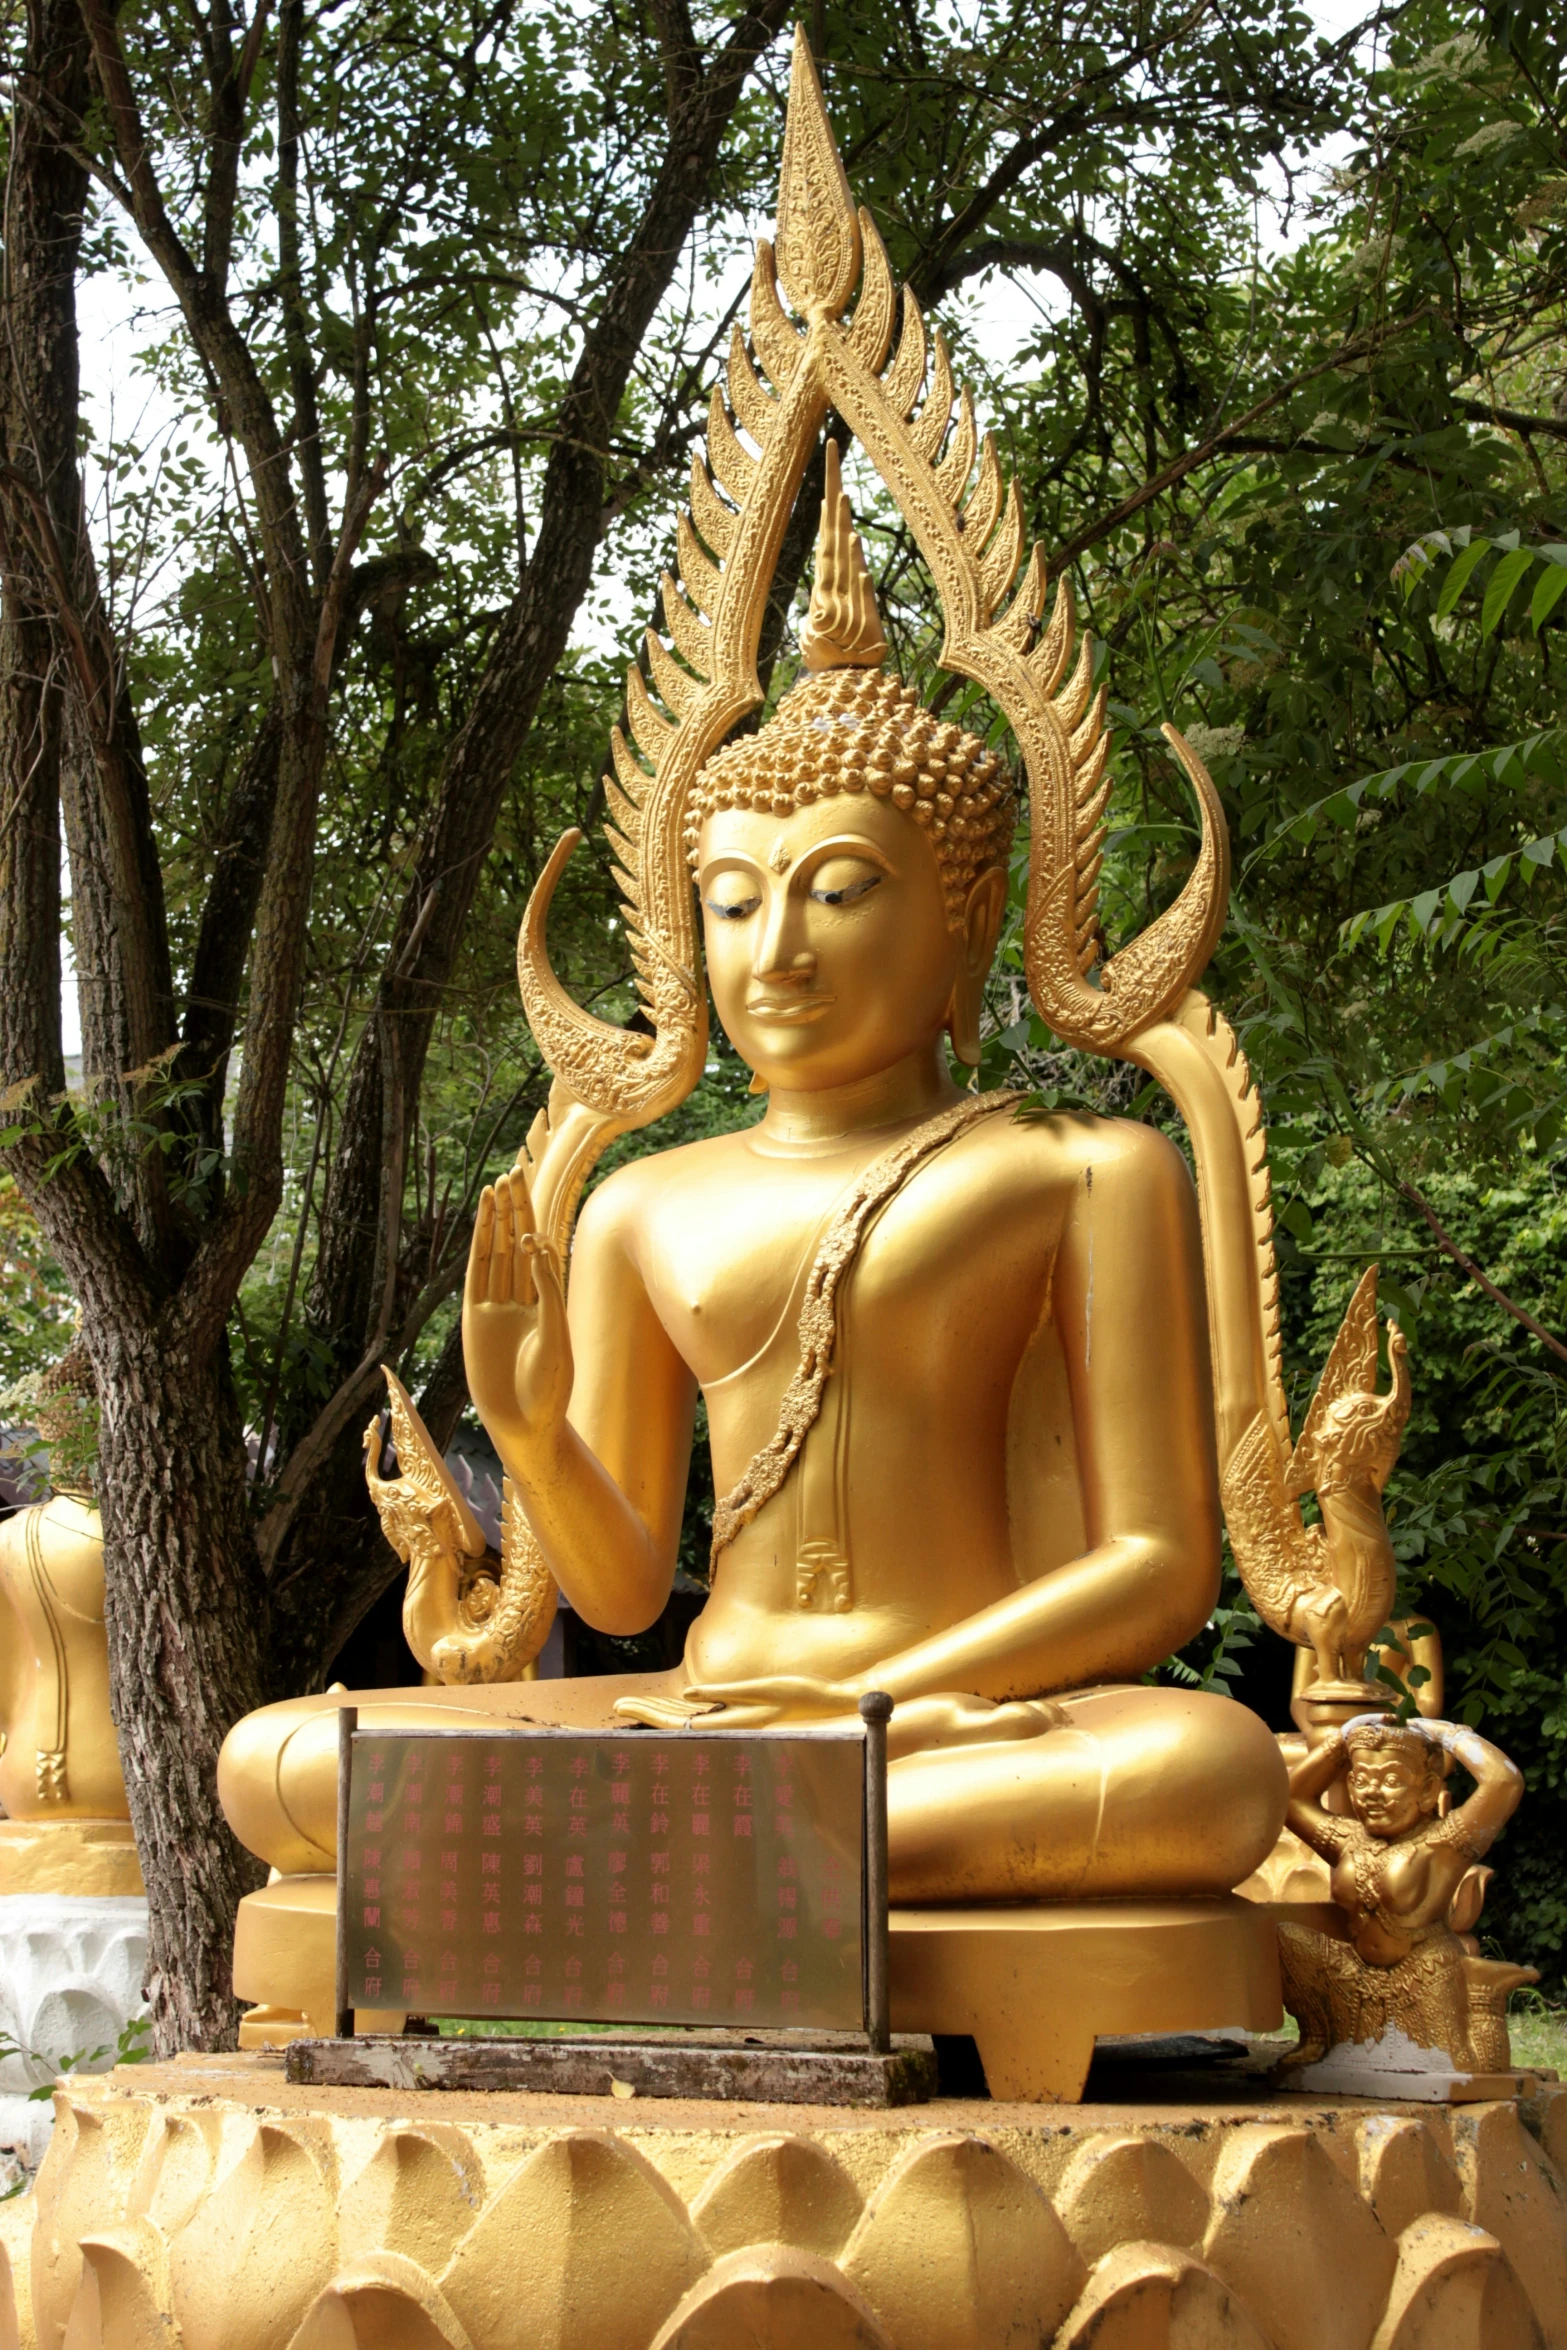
466,1615
1329,1587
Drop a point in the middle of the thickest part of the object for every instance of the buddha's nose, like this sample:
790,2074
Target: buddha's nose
781,950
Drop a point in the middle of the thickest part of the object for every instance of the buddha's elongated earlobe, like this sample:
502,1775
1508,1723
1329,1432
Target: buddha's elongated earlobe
968,993
981,928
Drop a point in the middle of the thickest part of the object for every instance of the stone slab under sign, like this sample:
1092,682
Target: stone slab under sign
731,2067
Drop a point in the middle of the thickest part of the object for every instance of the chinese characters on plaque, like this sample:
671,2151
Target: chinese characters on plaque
651,1878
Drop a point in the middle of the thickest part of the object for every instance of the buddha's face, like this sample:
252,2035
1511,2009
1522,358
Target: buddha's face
828,945
1389,1793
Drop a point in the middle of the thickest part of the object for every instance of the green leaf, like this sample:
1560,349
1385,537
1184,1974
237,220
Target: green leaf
1549,590
1296,1220
1499,587
1458,577
1509,764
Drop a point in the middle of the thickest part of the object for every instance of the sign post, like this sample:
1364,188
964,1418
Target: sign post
876,1713
347,1724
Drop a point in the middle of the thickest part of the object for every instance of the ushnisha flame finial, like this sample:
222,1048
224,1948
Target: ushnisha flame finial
843,627
819,246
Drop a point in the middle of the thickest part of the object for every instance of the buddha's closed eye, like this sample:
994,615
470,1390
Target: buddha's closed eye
828,890
732,908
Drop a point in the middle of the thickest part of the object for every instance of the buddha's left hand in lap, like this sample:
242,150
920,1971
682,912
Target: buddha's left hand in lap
950,1718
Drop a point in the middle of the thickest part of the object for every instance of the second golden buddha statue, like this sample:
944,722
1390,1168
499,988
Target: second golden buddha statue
977,1385
65,1826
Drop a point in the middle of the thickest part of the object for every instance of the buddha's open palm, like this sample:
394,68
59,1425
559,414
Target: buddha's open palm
516,1346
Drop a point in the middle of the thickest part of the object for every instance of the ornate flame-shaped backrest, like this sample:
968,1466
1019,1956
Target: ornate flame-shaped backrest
923,440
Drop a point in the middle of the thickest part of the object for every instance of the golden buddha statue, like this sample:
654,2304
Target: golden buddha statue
976,1383
67,1827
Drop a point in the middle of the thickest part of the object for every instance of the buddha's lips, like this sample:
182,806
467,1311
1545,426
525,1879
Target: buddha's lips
793,1009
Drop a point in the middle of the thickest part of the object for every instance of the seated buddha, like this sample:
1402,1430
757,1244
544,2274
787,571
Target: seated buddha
955,1363
975,1379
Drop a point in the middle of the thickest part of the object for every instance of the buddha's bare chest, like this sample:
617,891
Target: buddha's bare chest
726,1262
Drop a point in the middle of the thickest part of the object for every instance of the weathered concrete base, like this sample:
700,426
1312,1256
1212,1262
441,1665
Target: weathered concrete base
70,1981
207,2205
1398,2067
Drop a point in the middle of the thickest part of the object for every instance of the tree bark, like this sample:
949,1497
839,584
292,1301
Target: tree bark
366,1179
185,1608
38,405
184,1601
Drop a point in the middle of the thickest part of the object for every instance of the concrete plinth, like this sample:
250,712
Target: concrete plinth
71,1972
207,2203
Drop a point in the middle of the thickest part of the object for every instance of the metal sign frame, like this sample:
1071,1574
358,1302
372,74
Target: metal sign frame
870,1733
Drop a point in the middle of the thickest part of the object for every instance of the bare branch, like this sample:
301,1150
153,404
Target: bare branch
1363,347
1466,1264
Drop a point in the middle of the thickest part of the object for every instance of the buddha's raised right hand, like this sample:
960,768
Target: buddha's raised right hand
516,1346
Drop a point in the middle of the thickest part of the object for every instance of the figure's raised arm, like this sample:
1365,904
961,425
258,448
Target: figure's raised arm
1498,1790
590,1410
1326,1832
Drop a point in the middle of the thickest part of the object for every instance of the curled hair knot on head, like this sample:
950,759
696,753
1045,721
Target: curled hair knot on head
858,730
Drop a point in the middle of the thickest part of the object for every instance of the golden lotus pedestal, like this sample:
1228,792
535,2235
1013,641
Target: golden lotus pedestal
210,2205
1033,1986
207,2205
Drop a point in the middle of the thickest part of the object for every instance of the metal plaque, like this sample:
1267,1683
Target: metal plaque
590,1876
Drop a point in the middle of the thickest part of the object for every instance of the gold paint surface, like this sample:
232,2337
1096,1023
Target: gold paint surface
67,1823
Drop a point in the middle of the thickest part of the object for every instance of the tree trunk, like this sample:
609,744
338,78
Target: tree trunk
185,1603
40,503
185,1608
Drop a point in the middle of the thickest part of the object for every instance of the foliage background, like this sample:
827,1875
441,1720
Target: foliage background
1287,397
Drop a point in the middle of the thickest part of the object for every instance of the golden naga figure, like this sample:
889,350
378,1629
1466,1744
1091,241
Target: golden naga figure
1406,1988
977,1386
467,1615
